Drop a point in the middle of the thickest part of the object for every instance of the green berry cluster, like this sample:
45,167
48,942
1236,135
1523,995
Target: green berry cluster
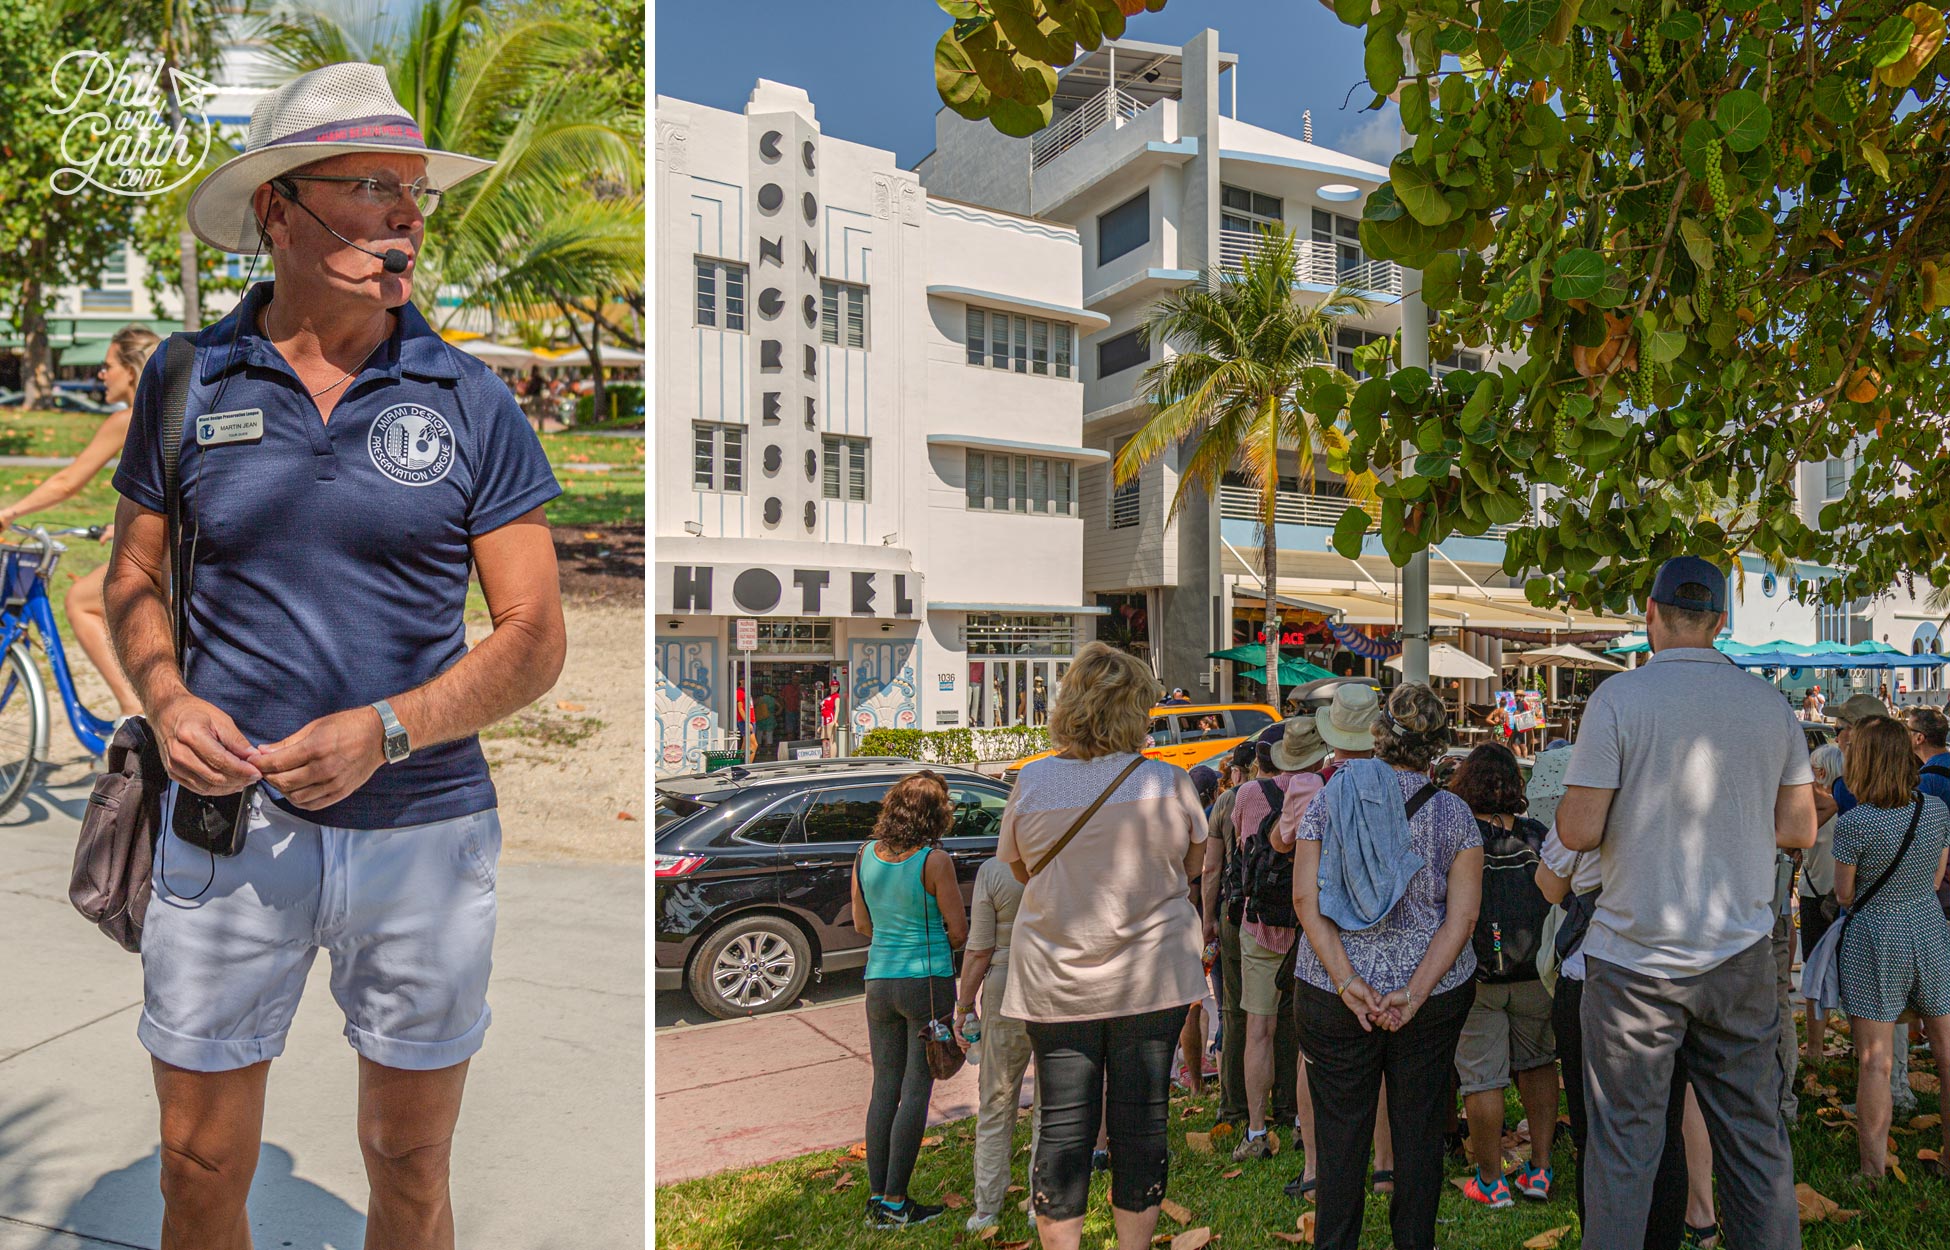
1642,386
1856,96
1716,179
1562,432
1655,55
1509,297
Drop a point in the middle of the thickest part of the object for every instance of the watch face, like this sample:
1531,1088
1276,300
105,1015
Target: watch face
396,748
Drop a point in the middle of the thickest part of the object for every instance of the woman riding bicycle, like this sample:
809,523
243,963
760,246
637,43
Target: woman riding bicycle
128,352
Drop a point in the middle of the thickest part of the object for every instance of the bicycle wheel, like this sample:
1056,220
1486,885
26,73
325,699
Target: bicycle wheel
23,724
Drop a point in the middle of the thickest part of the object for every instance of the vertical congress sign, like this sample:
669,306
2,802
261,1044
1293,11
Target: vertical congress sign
785,170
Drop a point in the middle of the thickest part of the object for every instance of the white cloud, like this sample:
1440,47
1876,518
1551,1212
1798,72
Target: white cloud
1376,137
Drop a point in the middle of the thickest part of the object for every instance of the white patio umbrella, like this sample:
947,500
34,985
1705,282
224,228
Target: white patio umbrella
1447,661
1565,655
498,354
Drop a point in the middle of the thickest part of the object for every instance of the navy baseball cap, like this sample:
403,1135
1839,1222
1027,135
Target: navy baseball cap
1242,755
1682,572
1206,781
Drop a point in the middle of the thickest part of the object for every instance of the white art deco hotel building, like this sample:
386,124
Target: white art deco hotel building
869,416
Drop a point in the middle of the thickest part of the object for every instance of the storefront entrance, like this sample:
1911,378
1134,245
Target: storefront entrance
1012,692
785,696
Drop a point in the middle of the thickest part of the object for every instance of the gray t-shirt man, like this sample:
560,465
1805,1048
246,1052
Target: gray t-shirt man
1697,750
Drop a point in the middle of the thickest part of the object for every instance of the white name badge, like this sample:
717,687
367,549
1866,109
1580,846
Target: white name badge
242,426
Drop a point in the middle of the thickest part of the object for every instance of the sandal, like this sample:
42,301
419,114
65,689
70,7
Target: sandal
1382,1176
1701,1234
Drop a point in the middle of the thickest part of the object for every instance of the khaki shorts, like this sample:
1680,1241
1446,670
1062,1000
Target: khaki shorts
1508,1030
1263,976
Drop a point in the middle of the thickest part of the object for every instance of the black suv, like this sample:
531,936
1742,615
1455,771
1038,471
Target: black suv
754,871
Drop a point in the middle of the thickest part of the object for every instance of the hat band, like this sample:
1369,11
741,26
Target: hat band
385,128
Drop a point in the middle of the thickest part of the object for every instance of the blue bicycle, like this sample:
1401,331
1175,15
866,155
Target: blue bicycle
25,716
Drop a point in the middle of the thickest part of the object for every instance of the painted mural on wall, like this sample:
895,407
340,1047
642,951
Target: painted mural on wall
884,691
686,719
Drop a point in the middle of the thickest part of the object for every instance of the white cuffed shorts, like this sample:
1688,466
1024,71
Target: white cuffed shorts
407,915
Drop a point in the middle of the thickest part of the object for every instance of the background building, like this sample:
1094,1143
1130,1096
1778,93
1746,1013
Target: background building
1161,184
868,417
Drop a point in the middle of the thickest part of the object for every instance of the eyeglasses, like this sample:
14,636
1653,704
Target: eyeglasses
382,192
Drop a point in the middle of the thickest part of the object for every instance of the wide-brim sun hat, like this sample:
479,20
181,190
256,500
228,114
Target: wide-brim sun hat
1347,723
330,111
1300,747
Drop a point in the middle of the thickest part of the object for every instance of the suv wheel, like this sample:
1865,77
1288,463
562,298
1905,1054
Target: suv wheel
751,966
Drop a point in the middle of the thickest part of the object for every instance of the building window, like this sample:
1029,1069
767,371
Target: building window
1346,341
1240,209
1343,234
1472,361
844,465
1019,633
1836,474
1124,497
235,267
1114,355
720,294
794,635
1025,344
1032,484
1124,228
842,314
718,456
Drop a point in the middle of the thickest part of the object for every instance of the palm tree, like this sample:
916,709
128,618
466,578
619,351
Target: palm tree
559,219
1239,389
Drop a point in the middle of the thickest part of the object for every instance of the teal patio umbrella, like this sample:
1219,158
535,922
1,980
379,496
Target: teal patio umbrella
1252,655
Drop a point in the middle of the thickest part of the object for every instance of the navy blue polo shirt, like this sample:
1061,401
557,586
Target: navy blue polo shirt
330,561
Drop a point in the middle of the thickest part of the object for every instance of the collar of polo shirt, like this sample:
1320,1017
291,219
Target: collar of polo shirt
414,346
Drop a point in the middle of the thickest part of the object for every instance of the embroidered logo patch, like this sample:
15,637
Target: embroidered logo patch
412,445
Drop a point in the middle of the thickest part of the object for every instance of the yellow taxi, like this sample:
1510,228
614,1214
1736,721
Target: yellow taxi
1187,734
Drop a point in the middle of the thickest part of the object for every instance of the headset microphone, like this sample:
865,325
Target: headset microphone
394,260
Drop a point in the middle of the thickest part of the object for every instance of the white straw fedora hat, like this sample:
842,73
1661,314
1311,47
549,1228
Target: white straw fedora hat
1348,722
325,112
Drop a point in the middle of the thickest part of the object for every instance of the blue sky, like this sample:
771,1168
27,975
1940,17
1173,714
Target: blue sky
869,64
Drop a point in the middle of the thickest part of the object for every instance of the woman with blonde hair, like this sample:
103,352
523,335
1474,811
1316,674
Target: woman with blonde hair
1105,950
1890,852
907,904
128,352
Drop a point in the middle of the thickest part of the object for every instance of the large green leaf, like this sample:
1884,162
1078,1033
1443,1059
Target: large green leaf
1698,245
1418,192
1415,105
1382,60
1744,119
1889,42
1348,531
1525,21
1579,274
955,79
1014,118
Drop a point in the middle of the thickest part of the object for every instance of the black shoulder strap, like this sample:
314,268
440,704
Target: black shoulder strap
1915,815
1275,797
179,360
1935,770
1427,792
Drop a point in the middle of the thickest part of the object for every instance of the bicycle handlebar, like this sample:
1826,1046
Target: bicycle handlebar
45,536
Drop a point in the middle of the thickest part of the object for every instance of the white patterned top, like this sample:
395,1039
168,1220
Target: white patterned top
1108,929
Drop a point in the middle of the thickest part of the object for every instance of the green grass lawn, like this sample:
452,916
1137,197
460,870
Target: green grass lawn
817,1200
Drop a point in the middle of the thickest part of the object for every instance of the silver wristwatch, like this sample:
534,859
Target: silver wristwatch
397,747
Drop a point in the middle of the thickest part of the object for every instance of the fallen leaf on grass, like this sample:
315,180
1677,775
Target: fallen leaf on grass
1175,1211
1236,1172
954,1202
1926,1121
858,1150
1924,1083
1012,1245
847,1180
988,1234
1192,1239
1928,1156
1815,1207
1896,1170
1199,1143
1547,1240
824,1173
930,1141
1015,1189
1222,1131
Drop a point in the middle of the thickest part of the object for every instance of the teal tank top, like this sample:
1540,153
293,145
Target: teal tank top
908,937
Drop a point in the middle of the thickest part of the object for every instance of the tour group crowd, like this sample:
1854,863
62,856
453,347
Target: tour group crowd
1384,935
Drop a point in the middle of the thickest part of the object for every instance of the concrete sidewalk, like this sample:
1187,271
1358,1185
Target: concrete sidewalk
740,1093
550,1148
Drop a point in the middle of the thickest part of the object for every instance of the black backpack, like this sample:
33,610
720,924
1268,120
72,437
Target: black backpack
1266,875
1510,926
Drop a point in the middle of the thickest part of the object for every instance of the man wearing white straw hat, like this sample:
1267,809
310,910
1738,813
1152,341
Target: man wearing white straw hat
340,470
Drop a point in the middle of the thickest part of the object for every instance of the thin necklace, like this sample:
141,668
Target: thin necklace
263,317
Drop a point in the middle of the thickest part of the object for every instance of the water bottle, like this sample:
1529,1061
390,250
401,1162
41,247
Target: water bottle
971,1028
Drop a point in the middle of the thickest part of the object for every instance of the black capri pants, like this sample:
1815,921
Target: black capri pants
1075,1062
